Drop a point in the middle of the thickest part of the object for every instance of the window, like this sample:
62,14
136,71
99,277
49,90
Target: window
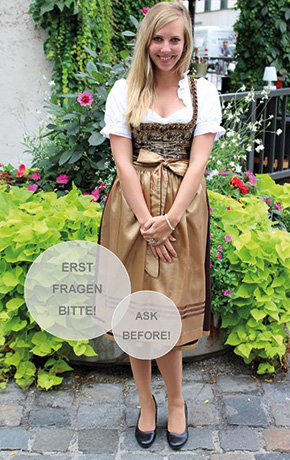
207,5
224,4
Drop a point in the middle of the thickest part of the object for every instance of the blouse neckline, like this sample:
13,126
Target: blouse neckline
181,93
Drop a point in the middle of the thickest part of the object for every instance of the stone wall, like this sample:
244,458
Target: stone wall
23,87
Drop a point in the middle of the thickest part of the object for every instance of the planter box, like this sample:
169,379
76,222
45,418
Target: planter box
109,352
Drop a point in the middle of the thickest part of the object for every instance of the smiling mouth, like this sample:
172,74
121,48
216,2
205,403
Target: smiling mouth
165,59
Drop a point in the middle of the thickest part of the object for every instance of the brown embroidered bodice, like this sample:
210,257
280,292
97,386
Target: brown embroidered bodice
171,140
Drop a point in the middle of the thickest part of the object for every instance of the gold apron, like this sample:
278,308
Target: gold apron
160,159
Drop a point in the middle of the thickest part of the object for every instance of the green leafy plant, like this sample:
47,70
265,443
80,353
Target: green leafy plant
29,224
269,47
71,26
256,320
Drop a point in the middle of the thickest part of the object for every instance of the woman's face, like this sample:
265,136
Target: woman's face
167,45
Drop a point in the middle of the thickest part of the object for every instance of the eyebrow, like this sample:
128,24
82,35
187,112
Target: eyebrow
173,36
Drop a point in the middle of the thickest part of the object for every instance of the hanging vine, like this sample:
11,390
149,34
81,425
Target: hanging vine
270,46
71,25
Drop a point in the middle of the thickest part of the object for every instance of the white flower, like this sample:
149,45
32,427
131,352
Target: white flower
279,131
218,162
249,148
234,141
223,145
243,88
238,169
258,141
51,83
230,116
260,147
232,164
44,77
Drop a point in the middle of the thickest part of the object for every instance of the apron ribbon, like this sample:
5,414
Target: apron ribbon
158,184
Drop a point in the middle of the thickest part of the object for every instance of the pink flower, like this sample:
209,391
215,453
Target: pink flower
206,171
62,179
102,186
210,264
228,208
96,193
228,238
219,248
227,292
86,193
222,173
210,235
210,210
268,201
105,197
145,10
252,178
218,255
21,171
35,176
32,187
278,206
85,98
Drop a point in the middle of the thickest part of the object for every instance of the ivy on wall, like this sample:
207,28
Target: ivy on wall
263,30
121,12
71,25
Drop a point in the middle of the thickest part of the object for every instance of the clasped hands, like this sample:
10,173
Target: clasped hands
157,228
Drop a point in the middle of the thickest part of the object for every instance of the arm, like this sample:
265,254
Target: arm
130,184
199,154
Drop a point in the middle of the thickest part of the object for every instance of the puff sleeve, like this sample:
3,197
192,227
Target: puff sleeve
209,114
115,122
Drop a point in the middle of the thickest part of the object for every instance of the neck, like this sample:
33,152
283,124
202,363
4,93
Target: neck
166,79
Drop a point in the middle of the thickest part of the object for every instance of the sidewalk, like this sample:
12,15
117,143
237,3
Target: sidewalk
232,416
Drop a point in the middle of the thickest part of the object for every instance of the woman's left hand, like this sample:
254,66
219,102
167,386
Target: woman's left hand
157,228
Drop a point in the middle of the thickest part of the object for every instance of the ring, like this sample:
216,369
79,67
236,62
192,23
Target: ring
152,240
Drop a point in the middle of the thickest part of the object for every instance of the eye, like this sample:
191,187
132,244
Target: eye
176,39
156,38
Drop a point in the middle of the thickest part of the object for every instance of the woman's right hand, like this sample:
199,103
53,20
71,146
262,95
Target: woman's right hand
162,250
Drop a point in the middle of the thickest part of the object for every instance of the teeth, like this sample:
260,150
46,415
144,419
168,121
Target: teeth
165,59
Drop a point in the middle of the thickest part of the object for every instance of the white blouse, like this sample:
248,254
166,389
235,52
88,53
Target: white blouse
208,117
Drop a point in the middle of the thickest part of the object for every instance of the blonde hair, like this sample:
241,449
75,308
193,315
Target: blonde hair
140,79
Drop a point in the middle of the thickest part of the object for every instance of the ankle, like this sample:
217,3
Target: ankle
176,401
145,400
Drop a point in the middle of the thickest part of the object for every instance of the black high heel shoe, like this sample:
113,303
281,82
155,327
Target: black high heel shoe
146,438
177,440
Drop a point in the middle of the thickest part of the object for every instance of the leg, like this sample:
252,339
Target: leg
141,369
170,366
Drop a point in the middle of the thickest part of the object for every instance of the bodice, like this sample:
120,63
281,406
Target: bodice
171,140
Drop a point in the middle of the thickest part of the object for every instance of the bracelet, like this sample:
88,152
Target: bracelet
167,220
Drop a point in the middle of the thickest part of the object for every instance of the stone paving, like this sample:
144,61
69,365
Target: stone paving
233,415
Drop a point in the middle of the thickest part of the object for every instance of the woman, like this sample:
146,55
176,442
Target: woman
162,125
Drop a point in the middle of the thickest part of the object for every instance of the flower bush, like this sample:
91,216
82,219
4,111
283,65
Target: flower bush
29,224
250,280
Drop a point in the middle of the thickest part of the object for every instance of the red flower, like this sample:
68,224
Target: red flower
21,171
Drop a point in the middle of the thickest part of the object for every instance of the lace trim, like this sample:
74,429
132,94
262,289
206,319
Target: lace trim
178,126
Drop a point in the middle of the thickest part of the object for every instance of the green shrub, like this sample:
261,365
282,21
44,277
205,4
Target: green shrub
256,313
30,224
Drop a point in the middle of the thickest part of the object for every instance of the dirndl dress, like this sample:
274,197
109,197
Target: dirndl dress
160,158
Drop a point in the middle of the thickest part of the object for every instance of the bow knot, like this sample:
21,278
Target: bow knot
158,190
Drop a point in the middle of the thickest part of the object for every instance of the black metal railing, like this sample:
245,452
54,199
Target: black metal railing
274,159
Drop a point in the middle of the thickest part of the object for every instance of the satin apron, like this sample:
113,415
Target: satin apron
160,159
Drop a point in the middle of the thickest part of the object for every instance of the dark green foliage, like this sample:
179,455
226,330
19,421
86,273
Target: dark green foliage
263,39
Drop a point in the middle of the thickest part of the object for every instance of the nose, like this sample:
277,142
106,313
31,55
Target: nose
165,47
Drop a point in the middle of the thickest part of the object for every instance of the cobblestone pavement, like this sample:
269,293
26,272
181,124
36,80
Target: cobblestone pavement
233,415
